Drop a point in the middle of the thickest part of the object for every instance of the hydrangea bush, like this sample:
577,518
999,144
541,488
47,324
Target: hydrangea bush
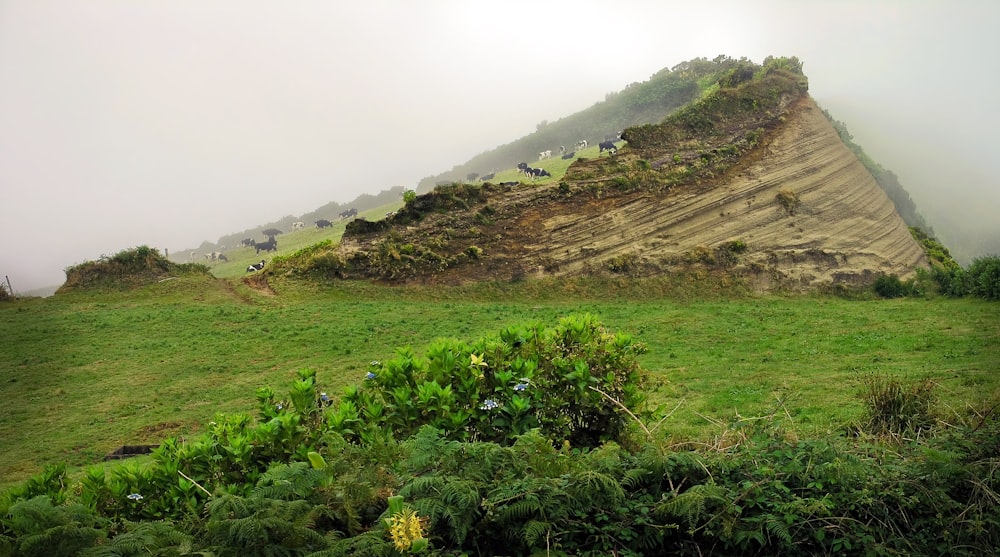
560,379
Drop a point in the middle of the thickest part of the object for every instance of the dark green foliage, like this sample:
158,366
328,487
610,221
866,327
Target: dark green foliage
260,526
37,527
983,277
142,539
889,286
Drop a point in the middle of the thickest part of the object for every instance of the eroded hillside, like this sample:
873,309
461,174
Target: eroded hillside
752,181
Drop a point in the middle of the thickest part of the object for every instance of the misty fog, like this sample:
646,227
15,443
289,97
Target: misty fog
167,124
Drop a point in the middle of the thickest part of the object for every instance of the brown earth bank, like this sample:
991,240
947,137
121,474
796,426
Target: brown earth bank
795,209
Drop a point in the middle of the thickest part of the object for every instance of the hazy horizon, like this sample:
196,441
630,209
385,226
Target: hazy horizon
168,124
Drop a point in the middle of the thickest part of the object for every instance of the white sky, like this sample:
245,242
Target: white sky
170,122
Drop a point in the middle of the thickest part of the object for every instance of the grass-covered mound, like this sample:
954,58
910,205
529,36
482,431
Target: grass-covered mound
126,269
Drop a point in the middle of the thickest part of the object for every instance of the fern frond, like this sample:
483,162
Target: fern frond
593,488
533,531
690,505
778,529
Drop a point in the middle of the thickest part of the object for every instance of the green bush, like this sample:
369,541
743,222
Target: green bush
889,286
572,381
983,277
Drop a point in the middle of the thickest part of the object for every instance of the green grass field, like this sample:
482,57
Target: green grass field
84,373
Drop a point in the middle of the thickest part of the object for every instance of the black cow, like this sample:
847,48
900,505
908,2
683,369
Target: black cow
569,155
489,176
608,146
352,212
255,266
270,245
323,223
247,242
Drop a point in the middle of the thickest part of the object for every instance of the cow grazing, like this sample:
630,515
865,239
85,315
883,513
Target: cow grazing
608,146
323,223
544,155
299,225
581,145
270,245
222,257
537,172
352,212
569,155
254,267
247,242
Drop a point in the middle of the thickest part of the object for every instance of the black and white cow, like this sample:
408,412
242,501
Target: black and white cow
608,146
544,155
298,225
581,145
247,242
255,266
270,245
323,223
352,212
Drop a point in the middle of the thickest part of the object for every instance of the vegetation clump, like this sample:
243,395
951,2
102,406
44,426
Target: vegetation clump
706,137
126,269
789,201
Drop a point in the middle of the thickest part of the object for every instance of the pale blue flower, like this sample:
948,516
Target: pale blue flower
370,375
520,386
489,404
279,406
323,397
135,496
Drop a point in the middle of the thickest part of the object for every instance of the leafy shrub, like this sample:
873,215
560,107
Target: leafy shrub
889,286
983,277
571,380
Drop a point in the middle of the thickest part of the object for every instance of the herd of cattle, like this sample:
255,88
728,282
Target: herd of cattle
271,244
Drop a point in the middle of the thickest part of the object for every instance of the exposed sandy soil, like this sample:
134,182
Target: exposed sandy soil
843,230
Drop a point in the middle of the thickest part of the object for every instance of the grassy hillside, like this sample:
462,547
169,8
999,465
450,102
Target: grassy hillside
638,103
85,372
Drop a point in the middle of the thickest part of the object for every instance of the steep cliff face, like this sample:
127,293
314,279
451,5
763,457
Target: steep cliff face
770,194
801,208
